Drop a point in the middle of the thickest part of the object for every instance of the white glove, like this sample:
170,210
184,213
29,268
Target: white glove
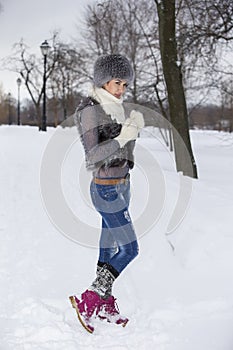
129,132
131,128
137,119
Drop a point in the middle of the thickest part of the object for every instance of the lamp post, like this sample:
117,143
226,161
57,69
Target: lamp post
19,82
44,49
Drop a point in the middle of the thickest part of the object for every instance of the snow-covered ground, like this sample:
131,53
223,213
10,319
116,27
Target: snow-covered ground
175,300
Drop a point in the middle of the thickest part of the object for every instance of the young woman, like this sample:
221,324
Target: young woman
108,132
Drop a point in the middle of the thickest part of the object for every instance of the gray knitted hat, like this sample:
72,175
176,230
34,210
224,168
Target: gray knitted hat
108,67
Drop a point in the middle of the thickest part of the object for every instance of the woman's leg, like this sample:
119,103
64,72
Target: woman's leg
107,244
119,226
117,230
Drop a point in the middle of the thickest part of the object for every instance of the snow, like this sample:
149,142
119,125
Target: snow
179,299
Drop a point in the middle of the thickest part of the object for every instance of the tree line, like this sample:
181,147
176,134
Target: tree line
211,117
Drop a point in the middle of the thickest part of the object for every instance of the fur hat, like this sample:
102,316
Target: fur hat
108,67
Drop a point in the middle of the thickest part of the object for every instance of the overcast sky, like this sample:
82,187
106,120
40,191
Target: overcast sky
34,21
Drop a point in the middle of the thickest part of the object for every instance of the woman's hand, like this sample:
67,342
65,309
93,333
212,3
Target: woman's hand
137,119
130,128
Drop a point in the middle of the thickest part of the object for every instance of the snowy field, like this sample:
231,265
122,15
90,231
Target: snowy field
179,299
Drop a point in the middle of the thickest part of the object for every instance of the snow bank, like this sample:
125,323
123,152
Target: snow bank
177,299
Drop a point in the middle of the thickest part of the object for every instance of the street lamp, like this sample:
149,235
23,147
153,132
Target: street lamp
44,49
19,82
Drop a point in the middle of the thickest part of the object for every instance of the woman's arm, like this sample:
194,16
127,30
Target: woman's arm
95,152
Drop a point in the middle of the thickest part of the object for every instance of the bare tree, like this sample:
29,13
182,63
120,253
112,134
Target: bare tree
226,121
204,31
173,77
30,69
116,27
66,77
61,74
3,106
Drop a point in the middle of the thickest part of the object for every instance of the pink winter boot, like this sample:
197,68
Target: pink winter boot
97,301
89,306
110,312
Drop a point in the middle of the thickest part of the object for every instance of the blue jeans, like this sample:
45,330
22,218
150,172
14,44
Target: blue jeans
118,242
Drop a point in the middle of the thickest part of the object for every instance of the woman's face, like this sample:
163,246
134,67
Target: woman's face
116,87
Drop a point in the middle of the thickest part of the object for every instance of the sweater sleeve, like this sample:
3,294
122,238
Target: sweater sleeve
95,152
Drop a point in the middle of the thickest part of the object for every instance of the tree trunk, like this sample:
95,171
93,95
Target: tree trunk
185,161
38,116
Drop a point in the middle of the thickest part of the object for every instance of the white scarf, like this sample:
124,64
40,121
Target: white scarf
110,104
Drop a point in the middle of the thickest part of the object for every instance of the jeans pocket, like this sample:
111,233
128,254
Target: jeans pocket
107,192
